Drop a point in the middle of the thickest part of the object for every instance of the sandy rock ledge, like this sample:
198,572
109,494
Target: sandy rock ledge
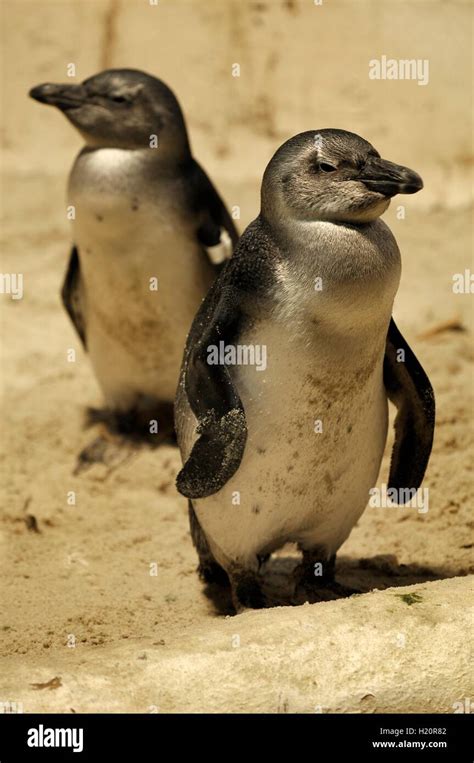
398,650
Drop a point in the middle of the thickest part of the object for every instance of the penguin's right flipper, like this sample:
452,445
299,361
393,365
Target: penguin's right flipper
214,400
71,295
409,388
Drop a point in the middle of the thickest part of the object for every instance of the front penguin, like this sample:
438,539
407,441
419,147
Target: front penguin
287,451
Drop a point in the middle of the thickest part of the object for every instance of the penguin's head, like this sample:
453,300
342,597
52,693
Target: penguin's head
332,175
121,108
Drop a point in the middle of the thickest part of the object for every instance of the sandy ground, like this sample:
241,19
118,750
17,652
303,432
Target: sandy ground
79,585
389,651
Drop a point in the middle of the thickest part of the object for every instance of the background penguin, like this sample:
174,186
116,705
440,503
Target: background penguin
258,471
144,209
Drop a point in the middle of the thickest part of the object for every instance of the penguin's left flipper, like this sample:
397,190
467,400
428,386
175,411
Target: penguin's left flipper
409,388
217,243
217,232
222,428
71,295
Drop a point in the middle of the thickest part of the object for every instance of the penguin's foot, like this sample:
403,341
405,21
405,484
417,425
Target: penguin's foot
213,574
108,450
209,570
150,423
328,592
246,592
310,588
314,581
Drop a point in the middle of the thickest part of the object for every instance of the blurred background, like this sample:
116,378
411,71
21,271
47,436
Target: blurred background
302,66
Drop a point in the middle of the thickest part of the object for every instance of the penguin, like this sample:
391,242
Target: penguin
288,449
150,233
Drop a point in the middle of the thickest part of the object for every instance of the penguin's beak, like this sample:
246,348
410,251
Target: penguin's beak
64,97
388,178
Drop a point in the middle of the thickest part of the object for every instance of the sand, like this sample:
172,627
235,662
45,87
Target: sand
83,577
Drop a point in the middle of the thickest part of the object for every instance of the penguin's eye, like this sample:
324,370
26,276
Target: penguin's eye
324,167
119,99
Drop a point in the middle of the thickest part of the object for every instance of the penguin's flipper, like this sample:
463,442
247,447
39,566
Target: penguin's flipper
217,232
71,295
409,388
214,400
217,243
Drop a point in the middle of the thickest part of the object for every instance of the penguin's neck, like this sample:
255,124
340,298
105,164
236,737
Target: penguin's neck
157,160
342,278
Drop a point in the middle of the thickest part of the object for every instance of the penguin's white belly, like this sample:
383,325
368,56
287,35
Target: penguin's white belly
129,242
296,483
136,334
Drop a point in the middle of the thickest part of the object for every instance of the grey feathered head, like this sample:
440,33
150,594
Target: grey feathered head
121,108
332,175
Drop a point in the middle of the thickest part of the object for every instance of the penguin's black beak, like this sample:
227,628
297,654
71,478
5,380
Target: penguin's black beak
64,97
388,178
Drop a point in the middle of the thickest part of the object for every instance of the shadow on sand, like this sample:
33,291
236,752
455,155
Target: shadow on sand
364,575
